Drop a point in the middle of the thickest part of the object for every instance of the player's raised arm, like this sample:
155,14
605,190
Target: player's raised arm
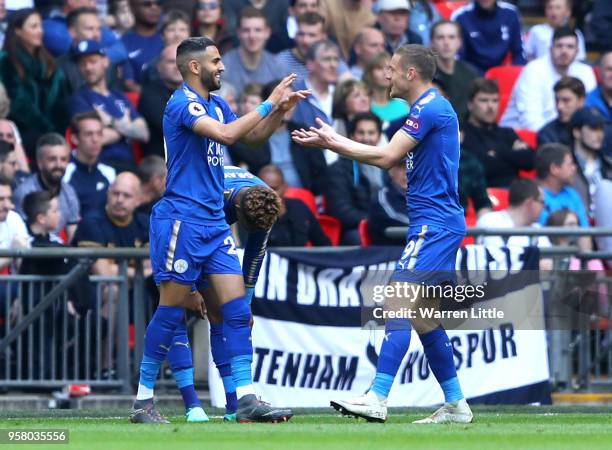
385,157
229,133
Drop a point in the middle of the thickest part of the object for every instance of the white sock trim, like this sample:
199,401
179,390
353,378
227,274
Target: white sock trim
241,391
144,393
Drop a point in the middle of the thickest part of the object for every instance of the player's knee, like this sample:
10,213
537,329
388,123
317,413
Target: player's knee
237,313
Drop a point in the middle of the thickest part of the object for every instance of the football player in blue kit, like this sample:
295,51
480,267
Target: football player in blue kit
190,240
249,202
429,140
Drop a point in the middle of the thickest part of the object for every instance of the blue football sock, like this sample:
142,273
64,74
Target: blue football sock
221,360
439,353
157,342
237,334
181,363
392,352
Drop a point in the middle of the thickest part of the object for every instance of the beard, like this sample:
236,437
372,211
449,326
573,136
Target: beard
209,81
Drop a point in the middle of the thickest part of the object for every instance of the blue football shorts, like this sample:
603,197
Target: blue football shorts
185,252
429,257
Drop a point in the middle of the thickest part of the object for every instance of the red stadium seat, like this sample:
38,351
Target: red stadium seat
506,76
364,233
331,227
303,194
447,7
133,97
499,198
68,137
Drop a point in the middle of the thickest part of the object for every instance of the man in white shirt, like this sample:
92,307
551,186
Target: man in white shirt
526,203
13,232
532,103
539,39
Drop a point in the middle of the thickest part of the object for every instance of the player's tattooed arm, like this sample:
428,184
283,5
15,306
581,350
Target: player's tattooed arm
385,156
228,134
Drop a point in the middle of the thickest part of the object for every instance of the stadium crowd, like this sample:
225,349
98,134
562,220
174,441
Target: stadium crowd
84,84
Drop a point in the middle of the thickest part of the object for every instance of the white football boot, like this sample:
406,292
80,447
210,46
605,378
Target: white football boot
454,412
369,406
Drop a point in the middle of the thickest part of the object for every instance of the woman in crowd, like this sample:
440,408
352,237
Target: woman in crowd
350,97
209,23
387,109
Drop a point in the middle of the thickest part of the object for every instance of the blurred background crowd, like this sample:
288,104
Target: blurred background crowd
83,85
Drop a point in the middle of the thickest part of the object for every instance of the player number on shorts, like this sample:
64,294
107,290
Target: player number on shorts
230,241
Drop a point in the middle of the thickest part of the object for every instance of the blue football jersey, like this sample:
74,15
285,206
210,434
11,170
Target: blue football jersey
194,186
433,165
236,178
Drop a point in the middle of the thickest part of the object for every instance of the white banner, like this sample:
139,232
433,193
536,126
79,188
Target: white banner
301,364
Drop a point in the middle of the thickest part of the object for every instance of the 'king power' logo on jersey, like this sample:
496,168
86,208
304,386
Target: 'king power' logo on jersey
214,154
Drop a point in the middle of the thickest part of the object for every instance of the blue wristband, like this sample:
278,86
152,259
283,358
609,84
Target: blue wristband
265,108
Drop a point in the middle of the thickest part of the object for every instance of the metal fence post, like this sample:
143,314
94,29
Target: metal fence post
123,366
138,303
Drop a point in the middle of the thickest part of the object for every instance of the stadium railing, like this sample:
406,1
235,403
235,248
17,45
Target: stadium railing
46,344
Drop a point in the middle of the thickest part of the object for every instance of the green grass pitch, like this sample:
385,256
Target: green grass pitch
496,428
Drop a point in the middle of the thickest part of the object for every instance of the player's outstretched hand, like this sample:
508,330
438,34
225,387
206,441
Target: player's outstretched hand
292,99
323,137
197,305
280,90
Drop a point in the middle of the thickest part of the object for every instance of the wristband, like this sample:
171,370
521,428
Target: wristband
265,108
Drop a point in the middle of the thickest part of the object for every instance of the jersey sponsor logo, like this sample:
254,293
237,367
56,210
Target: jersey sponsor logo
196,109
180,266
410,161
214,154
415,111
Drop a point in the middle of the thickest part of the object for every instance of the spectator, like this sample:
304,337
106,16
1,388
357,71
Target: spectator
311,29
345,18
42,217
569,97
36,87
350,97
369,42
9,169
285,37
393,22
423,14
601,23
5,102
84,24
115,225
120,18
10,134
453,74
121,120
152,173
244,155
556,170
387,109
209,23
155,95
230,95
587,126
491,29
539,38
143,42
388,206
525,206
473,184
603,214
532,103
296,225
13,232
250,62
275,12
175,29
601,96
52,157
59,37
349,190
499,149
322,62
89,177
